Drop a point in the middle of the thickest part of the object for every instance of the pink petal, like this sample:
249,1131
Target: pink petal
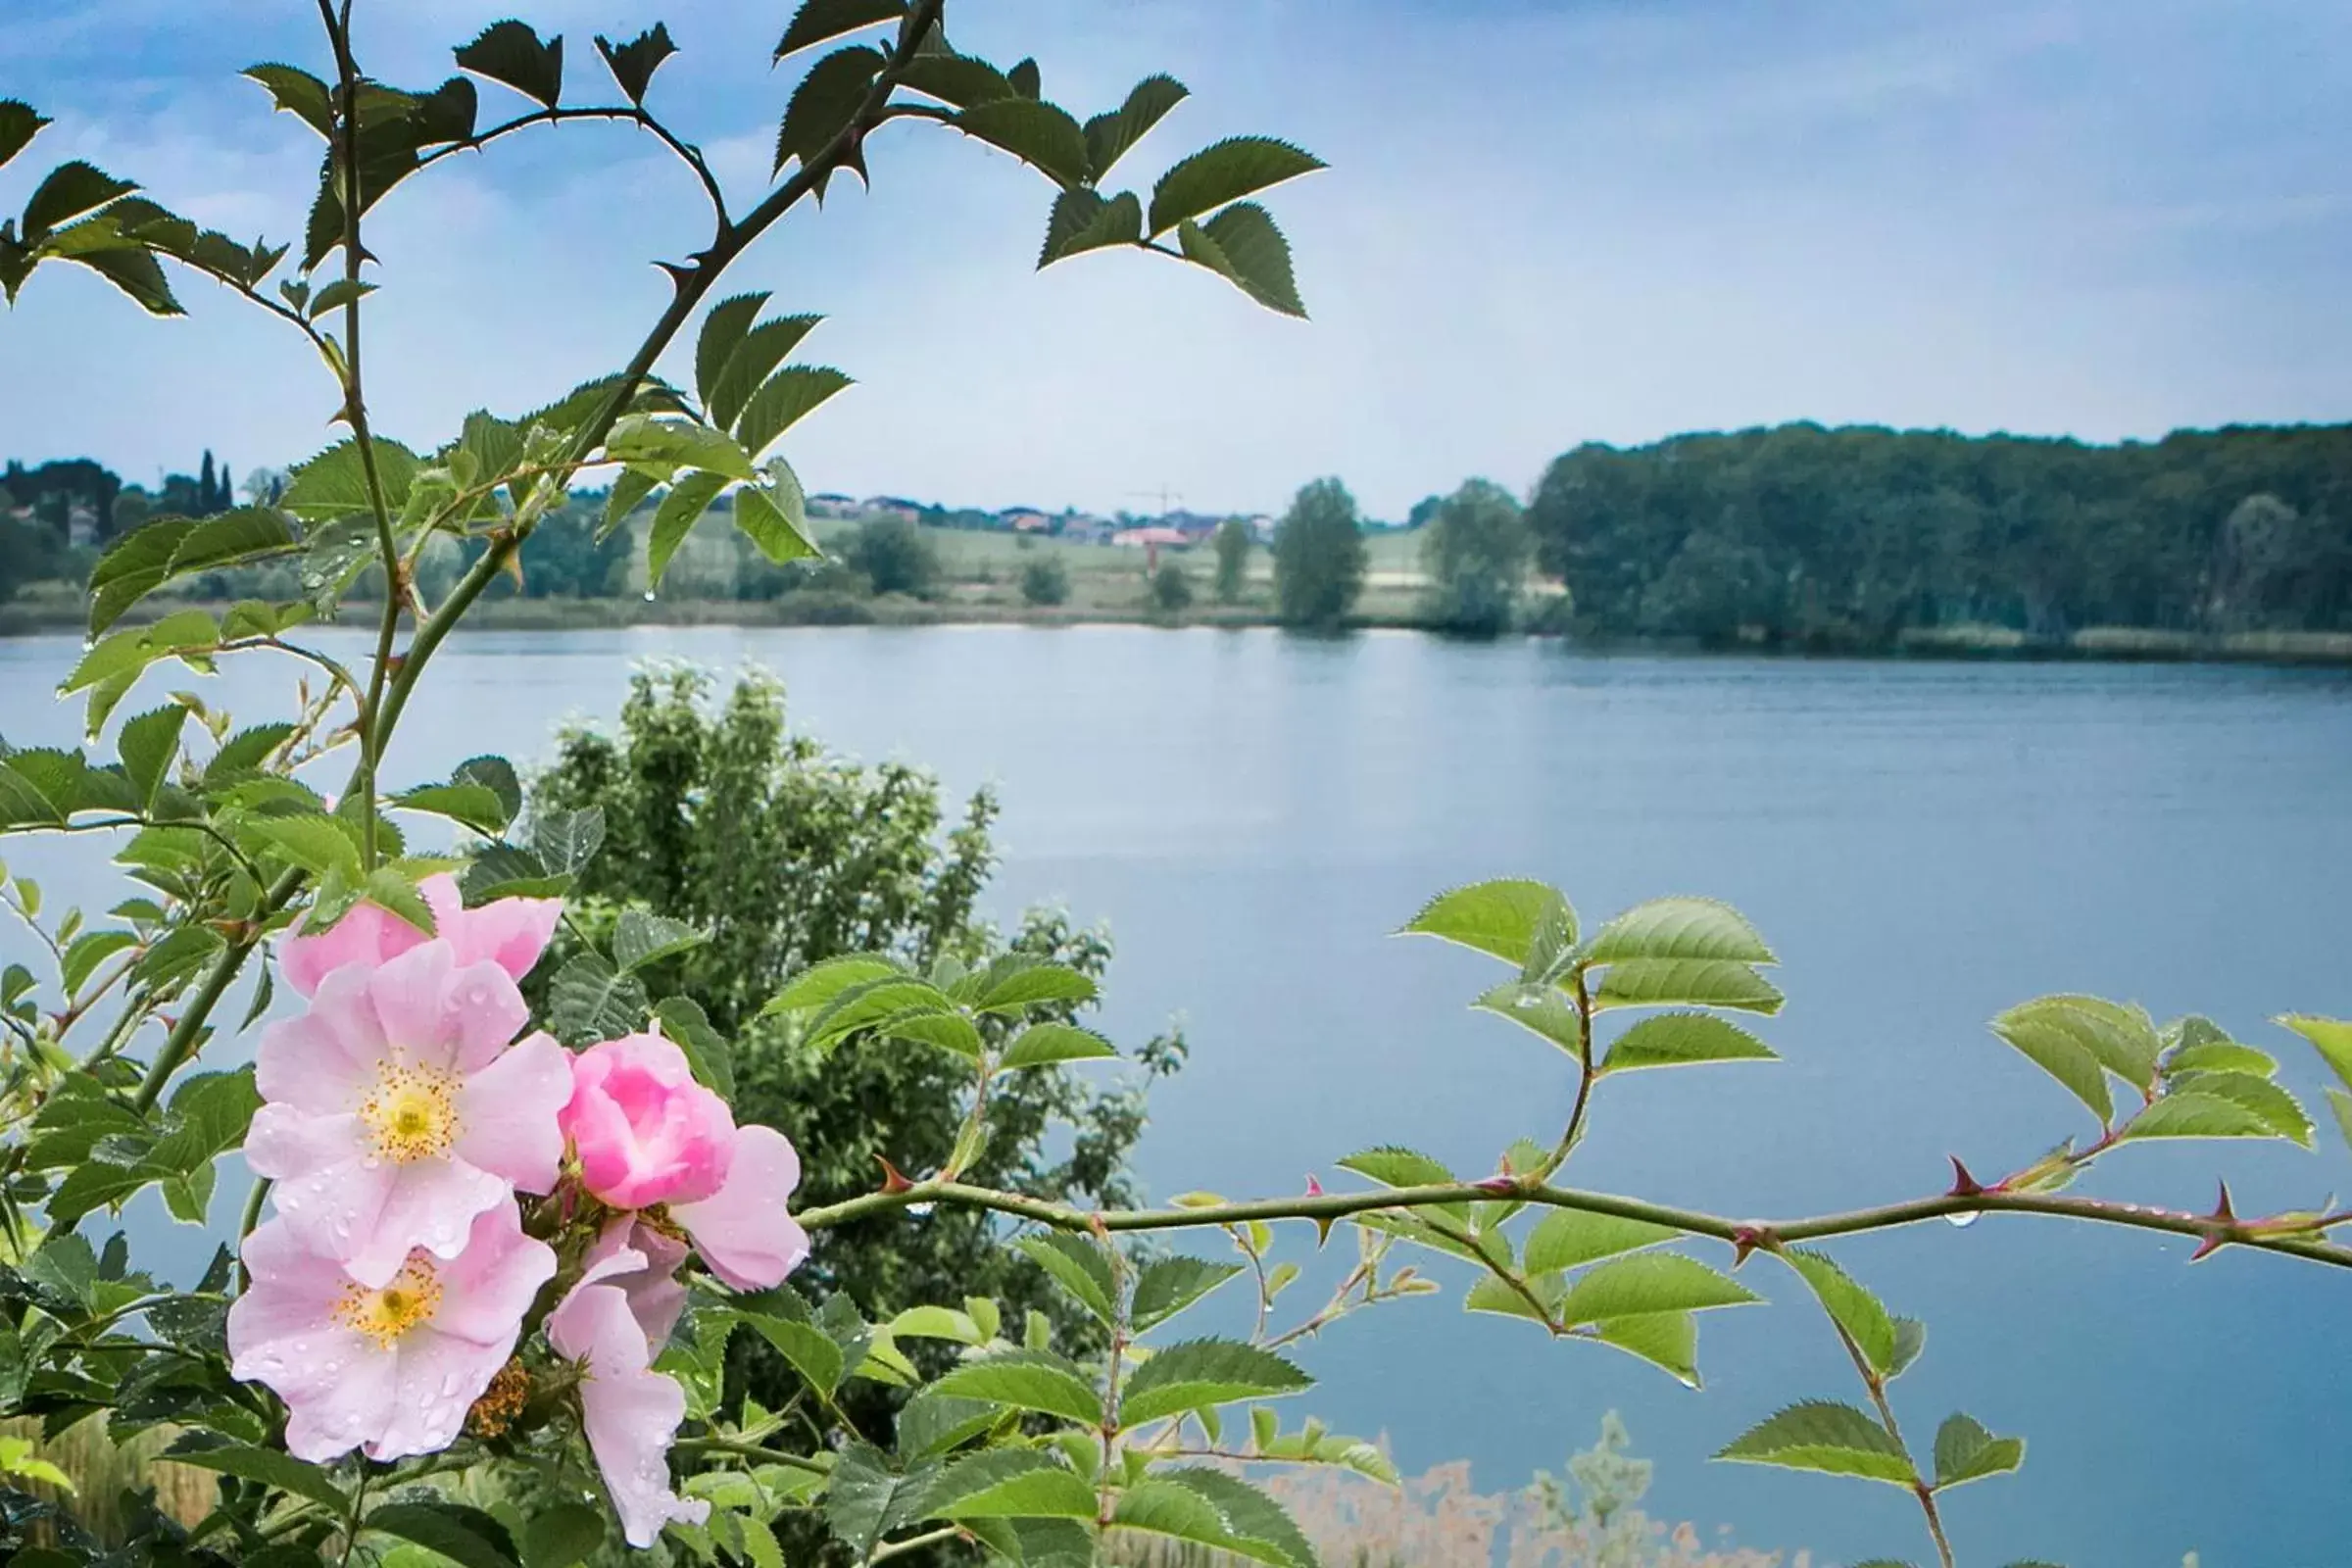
434,1204
486,1288
286,1143
290,1295
326,1059
437,1014
643,1265
507,1113
631,1411
743,1231
351,1402
511,933
646,1132
440,1377
367,935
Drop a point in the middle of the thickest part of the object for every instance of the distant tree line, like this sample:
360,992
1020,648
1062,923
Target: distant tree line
1849,537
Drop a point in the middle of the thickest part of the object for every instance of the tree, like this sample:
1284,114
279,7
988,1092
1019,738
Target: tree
1474,552
1171,589
1044,581
1232,541
1319,558
896,555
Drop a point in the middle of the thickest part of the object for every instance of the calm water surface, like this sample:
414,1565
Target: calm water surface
1924,843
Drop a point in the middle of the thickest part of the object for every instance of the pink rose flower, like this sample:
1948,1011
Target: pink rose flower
646,1134
614,1322
397,1112
511,933
391,1367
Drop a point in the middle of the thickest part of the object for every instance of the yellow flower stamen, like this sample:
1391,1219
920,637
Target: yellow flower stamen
411,1300
411,1113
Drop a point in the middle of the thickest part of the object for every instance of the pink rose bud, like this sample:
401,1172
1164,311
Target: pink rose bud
646,1132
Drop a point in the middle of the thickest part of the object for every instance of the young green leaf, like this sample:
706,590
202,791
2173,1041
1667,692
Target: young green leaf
1168,1285
1850,1306
1681,1040
148,746
2187,1113
1568,1238
2277,1109
1083,220
1202,1373
1689,982
1109,136
474,805
1244,246
679,512
170,548
1966,1452
1077,1266
640,939
1043,1045
1679,928
1910,1338
866,1498
2332,1038
706,1051
1255,1524
1017,982
1008,1484
2078,1039
1541,1009
633,64
755,356
820,984
783,400
591,1000
1225,171
1536,1303
1654,1282
1498,918
822,21
1038,133
510,52
561,1536
1027,1380
266,1465
1668,1340
1831,1439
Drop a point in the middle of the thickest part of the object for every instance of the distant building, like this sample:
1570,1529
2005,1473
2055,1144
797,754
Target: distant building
81,524
1084,527
1154,537
833,504
1025,519
891,507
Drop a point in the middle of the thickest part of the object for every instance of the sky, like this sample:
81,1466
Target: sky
1545,223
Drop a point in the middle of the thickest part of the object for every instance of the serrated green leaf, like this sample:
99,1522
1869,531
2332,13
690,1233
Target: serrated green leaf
2220,1056
1682,1040
706,1051
2061,1033
318,843
1038,133
167,549
822,21
824,103
1027,1380
1964,1451
1109,136
1568,1238
640,939
1668,1340
1244,245
590,1001
2278,1109
334,483
1826,1437
148,746
748,364
472,805
1077,1266
641,438
564,1535
2332,1038
1083,220
1008,1484
676,516
2340,1101
510,52
1017,982
1201,1373
1850,1306
633,64
2187,1113
20,122
1499,918
1679,928
865,1498
1647,1282
1225,171
1542,1010
1500,1297
65,193
783,400
1166,1286
775,517
1044,1045
1687,982
820,984
1910,1338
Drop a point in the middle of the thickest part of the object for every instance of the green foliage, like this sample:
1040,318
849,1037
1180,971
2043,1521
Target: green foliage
1171,589
1319,558
1475,554
1044,581
895,555
1231,542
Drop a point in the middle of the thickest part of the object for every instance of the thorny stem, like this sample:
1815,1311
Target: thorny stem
688,153
1690,1221
1111,1385
752,1451
354,412
694,284
1920,1489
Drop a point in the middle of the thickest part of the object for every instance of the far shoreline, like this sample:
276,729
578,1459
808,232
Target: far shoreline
1958,643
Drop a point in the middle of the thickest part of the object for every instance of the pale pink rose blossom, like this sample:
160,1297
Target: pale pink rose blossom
614,1322
391,1368
511,933
646,1134
397,1111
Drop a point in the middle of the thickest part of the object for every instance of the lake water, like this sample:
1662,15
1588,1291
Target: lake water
1924,844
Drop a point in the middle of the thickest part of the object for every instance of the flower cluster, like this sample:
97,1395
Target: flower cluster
402,1117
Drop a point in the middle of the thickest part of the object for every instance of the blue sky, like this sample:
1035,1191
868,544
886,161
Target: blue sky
1544,224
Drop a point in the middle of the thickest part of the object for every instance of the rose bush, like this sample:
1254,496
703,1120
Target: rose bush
488,1252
